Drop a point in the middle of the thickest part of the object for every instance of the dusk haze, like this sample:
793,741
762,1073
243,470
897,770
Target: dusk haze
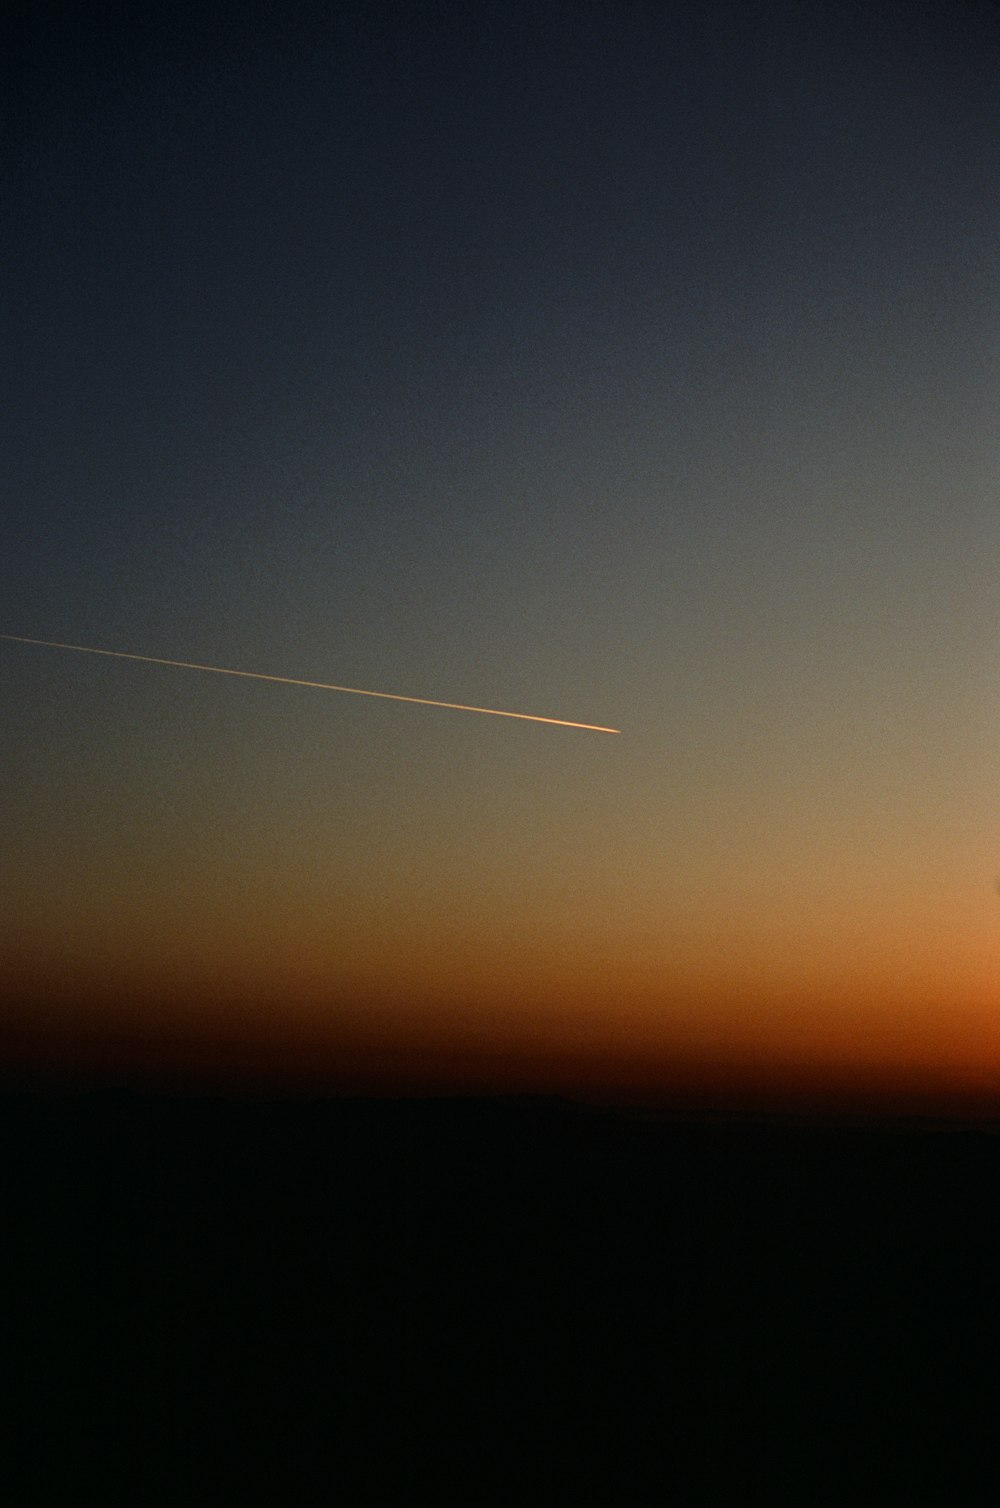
625,366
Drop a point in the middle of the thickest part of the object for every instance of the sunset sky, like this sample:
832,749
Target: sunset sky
628,364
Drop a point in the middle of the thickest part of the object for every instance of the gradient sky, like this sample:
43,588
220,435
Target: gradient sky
634,364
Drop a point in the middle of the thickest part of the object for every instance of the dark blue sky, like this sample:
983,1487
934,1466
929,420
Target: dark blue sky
277,274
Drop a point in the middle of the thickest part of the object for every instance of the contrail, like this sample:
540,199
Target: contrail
288,680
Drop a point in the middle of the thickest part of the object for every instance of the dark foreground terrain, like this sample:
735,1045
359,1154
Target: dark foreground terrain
221,1300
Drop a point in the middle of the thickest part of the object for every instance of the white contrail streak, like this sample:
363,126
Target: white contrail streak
288,680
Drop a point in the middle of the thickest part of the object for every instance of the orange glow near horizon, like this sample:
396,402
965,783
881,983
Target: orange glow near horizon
440,1012
472,923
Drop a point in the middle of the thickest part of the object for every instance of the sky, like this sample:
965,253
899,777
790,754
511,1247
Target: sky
627,364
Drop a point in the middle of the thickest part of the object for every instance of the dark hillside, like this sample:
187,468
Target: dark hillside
234,1300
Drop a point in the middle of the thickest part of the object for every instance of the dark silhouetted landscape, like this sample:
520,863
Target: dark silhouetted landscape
240,1298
